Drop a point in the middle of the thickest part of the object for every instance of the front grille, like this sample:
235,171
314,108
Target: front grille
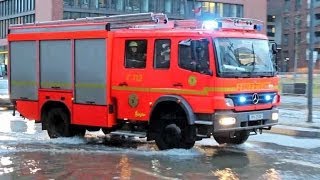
252,123
248,98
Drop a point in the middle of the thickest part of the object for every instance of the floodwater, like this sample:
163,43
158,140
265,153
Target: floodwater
26,152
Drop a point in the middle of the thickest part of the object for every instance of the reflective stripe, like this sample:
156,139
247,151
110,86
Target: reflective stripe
56,84
23,83
90,85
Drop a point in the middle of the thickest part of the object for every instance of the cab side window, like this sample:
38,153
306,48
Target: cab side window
185,57
162,54
136,53
194,56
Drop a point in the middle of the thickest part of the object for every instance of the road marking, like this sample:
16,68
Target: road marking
152,174
309,164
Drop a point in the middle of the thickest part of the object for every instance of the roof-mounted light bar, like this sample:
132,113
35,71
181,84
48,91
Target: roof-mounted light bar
233,23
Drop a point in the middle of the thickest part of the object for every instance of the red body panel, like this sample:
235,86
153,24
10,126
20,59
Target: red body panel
29,109
62,96
90,115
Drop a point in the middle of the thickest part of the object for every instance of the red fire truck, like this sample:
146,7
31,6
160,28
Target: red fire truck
141,75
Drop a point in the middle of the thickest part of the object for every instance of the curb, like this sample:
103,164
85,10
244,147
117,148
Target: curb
295,131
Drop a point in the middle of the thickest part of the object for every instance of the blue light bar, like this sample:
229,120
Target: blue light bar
210,24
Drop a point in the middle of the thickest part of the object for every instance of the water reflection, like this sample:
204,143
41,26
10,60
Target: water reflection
18,126
125,167
226,174
271,174
5,166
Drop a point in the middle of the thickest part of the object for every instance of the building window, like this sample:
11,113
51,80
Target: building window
286,22
287,5
222,9
285,39
298,38
271,18
271,30
298,5
298,22
317,36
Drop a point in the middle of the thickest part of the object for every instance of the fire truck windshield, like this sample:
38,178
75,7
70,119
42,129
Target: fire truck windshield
238,57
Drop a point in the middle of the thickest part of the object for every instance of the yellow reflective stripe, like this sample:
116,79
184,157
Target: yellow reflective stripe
3,52
124,88
23,83
90,85
55,84
204,91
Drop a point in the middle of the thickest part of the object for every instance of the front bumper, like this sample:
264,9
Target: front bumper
243,121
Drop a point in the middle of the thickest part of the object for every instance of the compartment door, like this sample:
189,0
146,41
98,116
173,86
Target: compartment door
23,73
90,71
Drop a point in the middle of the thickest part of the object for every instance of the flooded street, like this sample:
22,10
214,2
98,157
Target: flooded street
26,152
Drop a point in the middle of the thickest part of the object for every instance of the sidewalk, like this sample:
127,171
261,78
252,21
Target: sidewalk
293,117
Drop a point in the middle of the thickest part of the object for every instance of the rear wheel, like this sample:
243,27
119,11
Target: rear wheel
174,135
239,138
58,124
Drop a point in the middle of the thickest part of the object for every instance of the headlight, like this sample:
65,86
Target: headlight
4,97
229,102
275,116
226,121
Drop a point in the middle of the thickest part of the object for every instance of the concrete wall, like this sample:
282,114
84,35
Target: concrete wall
48,10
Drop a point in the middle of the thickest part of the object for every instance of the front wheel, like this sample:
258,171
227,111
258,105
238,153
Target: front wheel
172,136
239,138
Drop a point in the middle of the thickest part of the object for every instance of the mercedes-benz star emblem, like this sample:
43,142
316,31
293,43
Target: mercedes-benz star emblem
255,98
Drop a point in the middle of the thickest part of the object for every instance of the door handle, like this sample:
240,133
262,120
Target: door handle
123,84
177,85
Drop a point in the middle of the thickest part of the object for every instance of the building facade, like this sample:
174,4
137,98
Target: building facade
274,29
294,33
29,11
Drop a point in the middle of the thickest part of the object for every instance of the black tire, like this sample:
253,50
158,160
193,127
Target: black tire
240,138
173,136
58,123
78,131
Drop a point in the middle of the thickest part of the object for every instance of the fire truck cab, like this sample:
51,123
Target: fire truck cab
141,75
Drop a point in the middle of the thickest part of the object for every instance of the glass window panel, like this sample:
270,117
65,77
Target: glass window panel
219,10
102,3
212,7
135,55
152,5
205,6
226,10
117,5
145,5
162,54
168,6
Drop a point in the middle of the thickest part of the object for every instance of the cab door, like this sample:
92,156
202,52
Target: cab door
193,72
131,59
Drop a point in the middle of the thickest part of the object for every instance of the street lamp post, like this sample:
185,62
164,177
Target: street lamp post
310,62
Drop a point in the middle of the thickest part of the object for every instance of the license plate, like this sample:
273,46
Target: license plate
253,117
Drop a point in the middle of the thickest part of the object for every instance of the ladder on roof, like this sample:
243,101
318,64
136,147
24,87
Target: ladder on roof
125,19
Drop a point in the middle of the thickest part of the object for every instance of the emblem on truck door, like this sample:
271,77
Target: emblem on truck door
133,100
192,81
